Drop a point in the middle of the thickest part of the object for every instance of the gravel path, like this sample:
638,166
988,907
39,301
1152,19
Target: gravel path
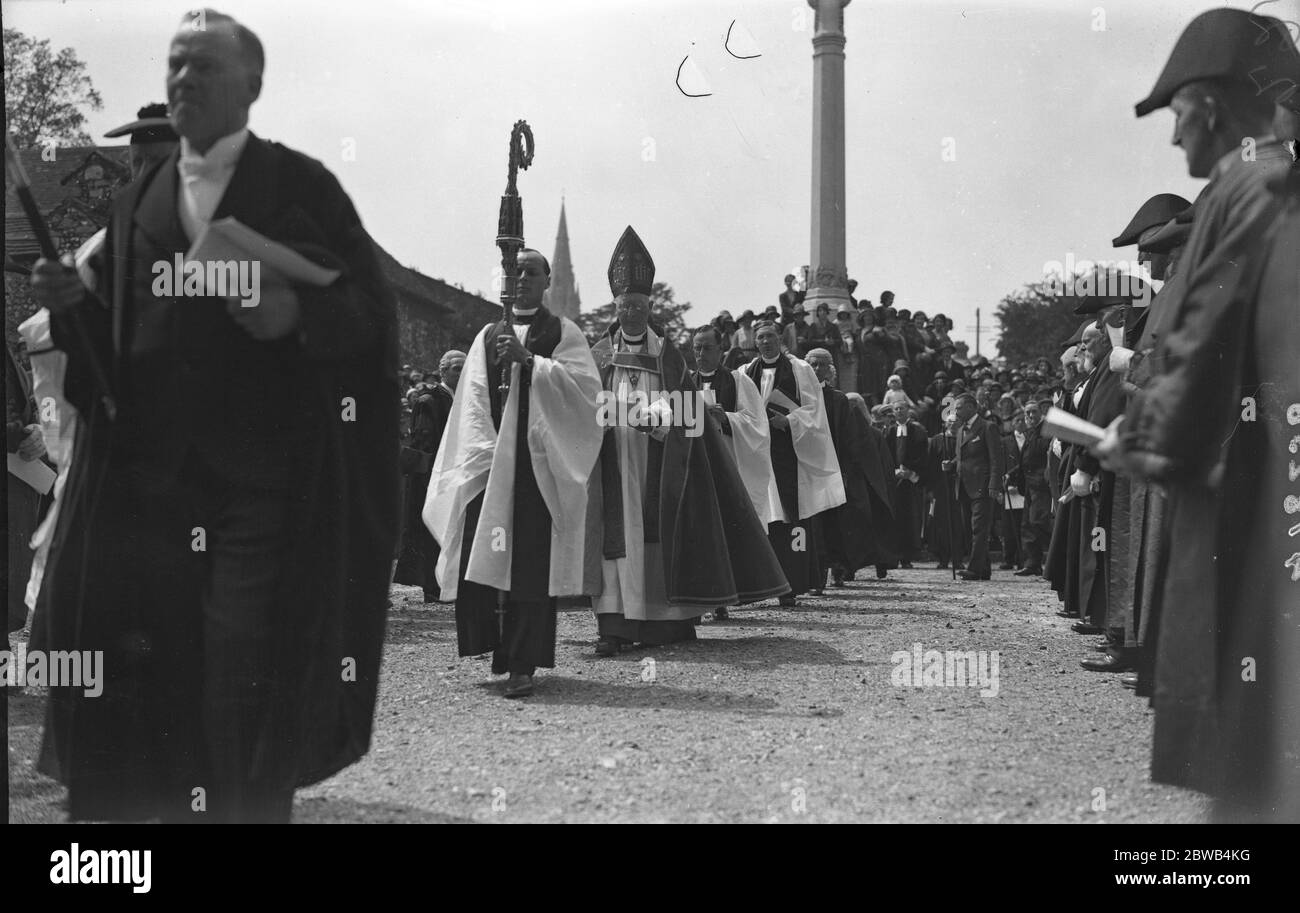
775,716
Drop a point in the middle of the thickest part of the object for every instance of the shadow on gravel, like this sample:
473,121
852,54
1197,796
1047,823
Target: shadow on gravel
320,810
561,689
406,627
761,652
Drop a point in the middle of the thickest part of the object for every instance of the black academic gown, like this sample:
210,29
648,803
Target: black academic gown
315,413
849,536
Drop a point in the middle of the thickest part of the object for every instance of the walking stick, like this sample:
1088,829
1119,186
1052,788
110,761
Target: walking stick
510,239
23,190
954,502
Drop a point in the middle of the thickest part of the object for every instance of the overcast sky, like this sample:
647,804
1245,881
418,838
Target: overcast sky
1038,102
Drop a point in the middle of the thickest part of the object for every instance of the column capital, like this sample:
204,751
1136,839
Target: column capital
829,16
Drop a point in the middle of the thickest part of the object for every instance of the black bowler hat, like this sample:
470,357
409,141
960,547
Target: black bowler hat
1156,211
1229,44
151,126
1078,334
1103,288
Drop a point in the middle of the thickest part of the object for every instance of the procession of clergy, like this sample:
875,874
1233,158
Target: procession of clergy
1168,538
616,477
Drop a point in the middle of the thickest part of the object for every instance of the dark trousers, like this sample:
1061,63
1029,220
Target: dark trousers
211,554
1011,523
802,565
1036,526
977,516
908,505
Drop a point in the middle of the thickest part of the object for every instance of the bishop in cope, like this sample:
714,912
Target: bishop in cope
671,530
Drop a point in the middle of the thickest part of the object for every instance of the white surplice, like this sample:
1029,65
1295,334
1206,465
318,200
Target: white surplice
751,442
563,441
821,487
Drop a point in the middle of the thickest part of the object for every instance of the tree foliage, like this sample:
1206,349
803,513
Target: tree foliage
665,312
45,93
1034,323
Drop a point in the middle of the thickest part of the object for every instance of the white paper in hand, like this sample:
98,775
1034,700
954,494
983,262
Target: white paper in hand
34,473
229,239
1072,429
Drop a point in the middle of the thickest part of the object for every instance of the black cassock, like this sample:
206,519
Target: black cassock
945,528
858,532
521,634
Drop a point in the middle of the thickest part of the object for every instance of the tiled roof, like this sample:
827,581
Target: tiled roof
53,186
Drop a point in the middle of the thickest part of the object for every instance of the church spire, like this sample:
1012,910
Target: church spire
562,297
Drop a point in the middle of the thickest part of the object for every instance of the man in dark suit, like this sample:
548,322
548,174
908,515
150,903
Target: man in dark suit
945,535
430,411
1030,478
907,440
229,536
1013,449
979,476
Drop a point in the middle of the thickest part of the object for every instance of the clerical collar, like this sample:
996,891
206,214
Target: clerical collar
633,340
525,312
708,373
771,363
525,316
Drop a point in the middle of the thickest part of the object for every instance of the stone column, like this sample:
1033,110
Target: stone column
829,281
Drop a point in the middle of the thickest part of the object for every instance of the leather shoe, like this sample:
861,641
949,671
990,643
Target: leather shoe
787,601
1030,572
1108,663
1129,680
607,646
1102,647
519,686
720,614
1082,627
1005,566
969,575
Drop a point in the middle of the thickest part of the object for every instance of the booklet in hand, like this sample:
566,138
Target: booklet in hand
1071,429
229,239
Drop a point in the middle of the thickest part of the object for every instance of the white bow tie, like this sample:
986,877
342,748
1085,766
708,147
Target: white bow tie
193,167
